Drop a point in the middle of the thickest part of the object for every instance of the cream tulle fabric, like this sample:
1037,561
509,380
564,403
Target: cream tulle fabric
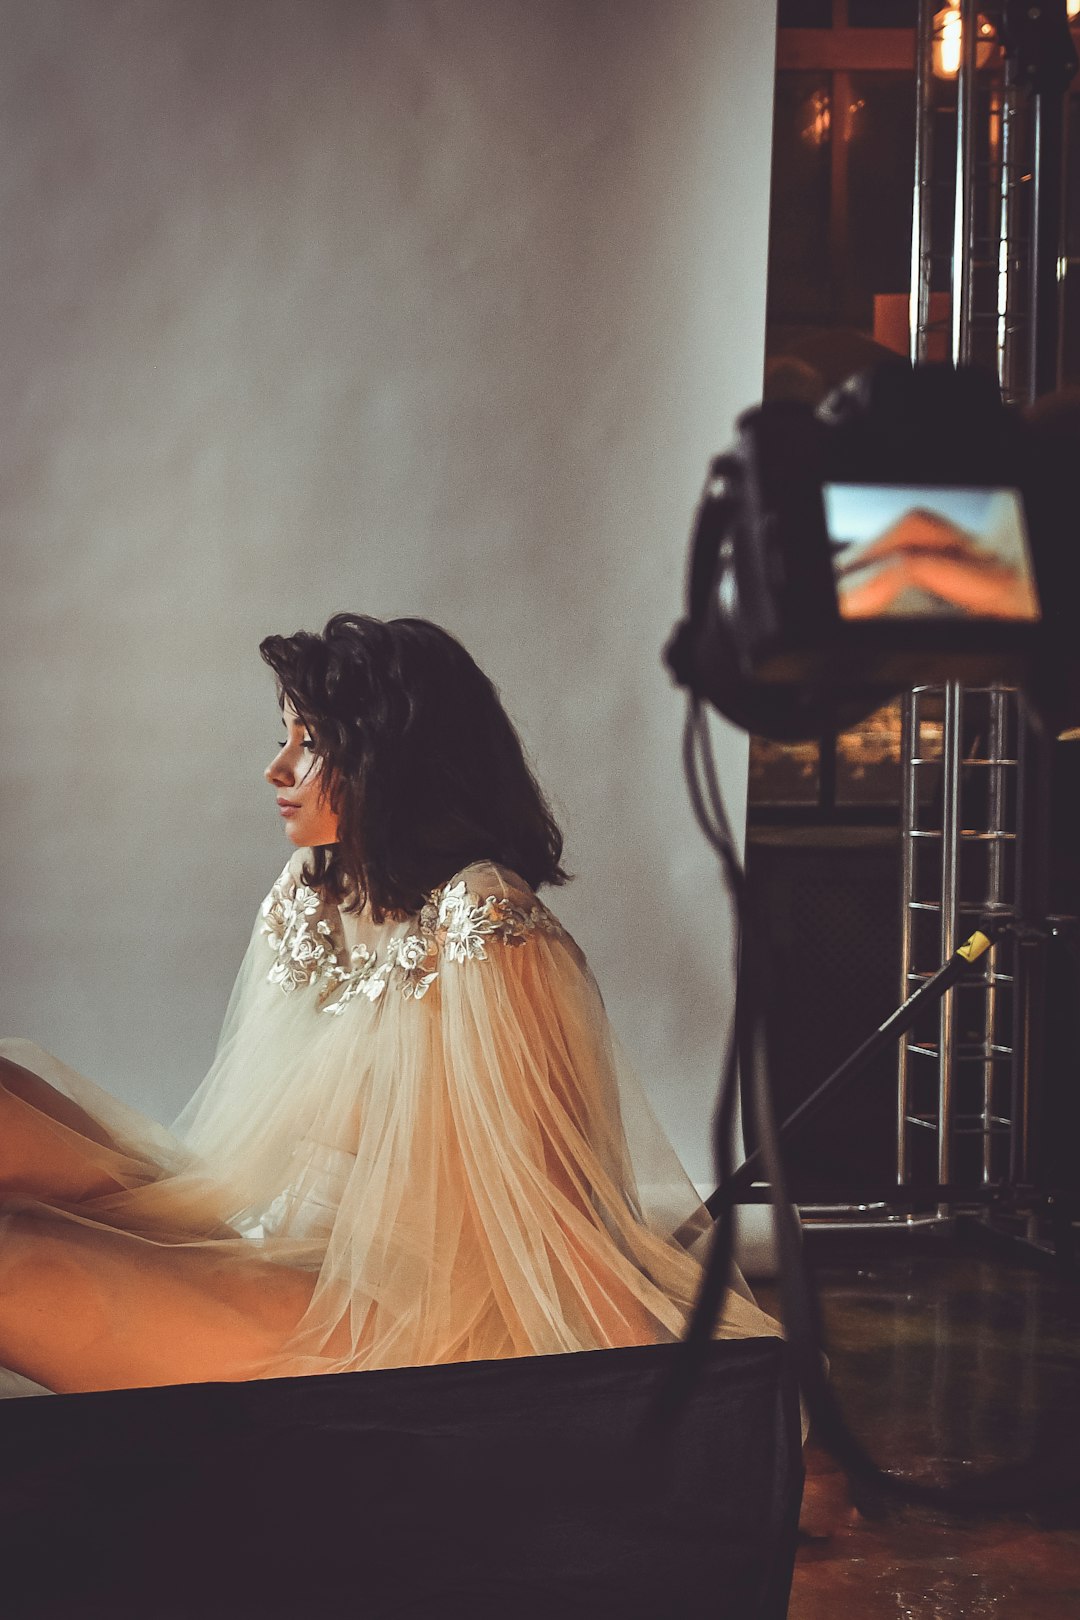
416,1144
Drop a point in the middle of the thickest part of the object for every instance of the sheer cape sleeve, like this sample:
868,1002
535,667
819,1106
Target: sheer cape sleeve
444,1120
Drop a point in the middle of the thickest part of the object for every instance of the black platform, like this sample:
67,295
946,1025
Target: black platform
494,1490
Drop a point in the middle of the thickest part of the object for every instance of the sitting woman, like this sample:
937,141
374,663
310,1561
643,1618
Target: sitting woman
416,1143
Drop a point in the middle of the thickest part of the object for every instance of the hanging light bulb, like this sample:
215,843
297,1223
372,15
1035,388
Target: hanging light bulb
818,124
948,40
1072,9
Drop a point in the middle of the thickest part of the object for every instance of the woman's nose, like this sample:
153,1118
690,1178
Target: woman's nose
279,772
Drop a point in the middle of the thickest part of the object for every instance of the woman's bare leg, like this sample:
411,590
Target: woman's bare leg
87,1306
47,1142
83,1307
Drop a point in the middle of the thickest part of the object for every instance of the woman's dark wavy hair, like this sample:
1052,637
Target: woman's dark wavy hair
426,771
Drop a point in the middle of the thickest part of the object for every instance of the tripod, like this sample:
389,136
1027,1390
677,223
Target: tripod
993,927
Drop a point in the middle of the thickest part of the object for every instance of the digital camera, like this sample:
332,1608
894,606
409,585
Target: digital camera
912,530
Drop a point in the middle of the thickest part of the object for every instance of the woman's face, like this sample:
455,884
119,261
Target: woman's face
297,774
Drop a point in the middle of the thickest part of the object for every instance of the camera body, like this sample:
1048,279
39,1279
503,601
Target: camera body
913,530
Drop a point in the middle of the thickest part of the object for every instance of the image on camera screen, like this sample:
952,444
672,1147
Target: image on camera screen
914,552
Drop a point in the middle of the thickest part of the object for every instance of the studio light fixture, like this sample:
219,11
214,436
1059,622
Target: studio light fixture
948,39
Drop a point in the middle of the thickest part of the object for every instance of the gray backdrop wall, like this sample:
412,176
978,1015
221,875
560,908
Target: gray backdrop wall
402,306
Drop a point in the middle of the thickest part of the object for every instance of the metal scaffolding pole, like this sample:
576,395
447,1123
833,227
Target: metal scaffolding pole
1008,146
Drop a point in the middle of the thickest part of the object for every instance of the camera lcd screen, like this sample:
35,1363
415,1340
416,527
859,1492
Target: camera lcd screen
917,552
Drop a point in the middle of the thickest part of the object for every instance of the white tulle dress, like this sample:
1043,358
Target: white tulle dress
416,1144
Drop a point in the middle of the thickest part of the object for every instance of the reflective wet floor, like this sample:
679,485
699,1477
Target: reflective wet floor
950,1355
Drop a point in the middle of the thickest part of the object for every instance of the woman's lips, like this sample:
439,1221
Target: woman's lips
287,808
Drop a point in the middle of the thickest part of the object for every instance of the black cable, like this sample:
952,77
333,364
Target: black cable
1007,1488
716,1274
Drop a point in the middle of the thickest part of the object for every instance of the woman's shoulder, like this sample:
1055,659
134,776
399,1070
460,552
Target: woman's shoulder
488,880
479,883
484,900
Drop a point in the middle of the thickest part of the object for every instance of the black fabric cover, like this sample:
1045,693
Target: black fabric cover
507,1489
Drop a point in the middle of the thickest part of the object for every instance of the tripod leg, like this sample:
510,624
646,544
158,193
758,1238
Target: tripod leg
894,1026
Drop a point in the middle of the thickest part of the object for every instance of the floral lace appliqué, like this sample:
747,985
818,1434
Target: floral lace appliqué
454,924
460,924
303,951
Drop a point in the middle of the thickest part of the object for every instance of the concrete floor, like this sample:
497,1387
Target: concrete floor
948,1357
